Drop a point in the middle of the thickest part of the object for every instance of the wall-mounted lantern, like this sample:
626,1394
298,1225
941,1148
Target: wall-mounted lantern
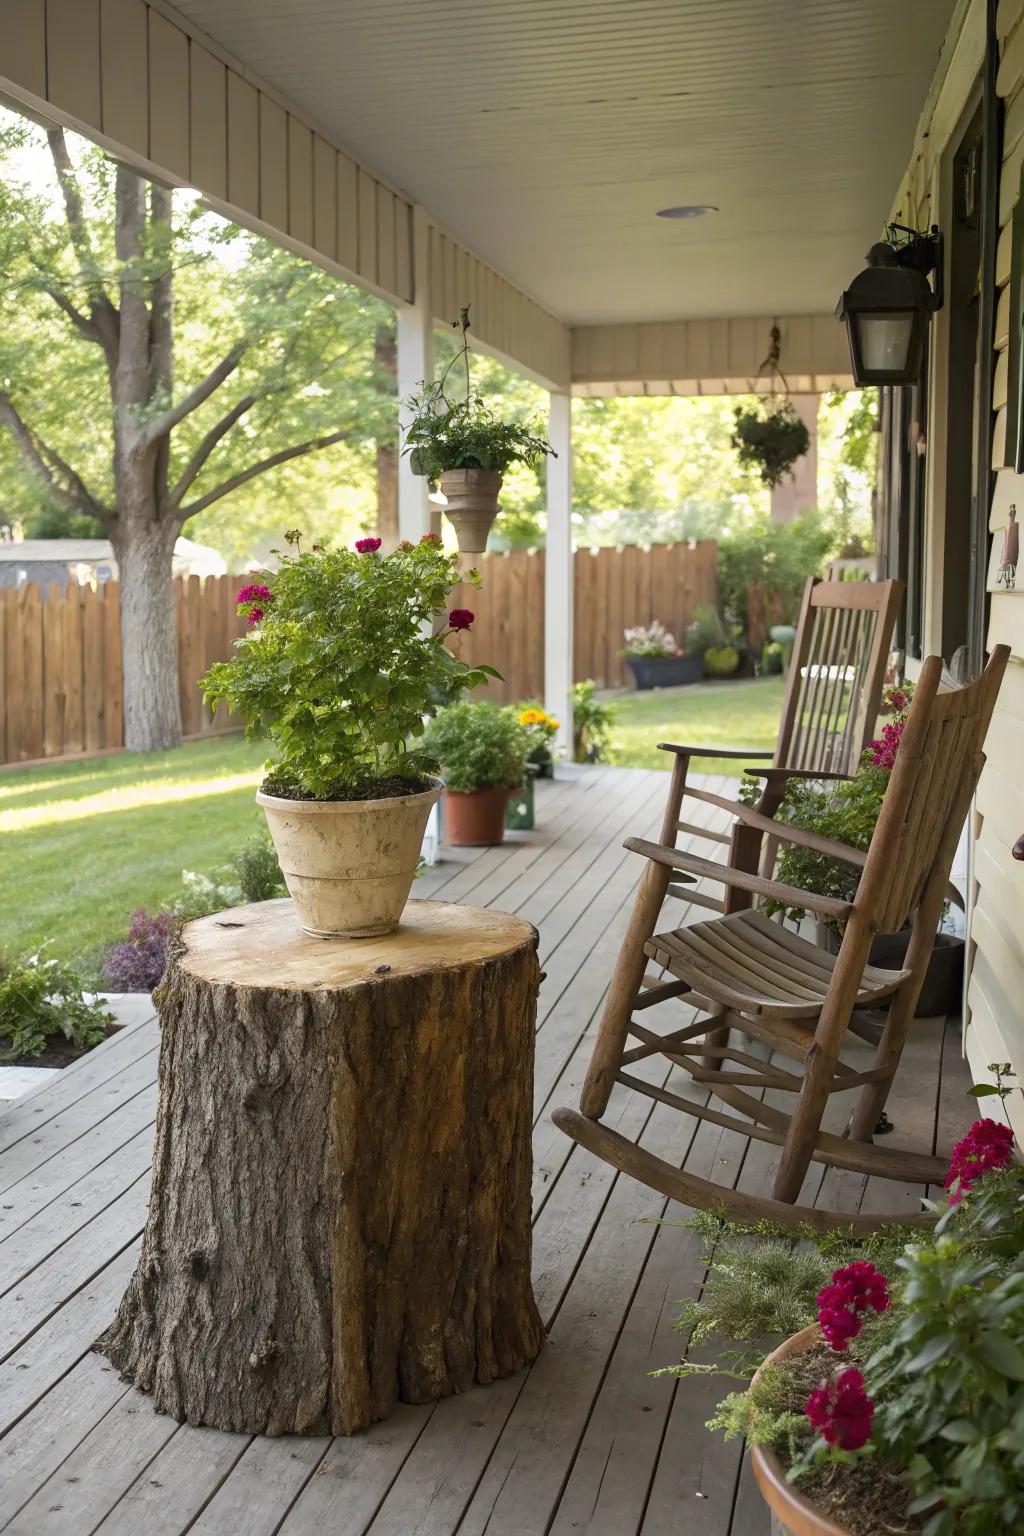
888,307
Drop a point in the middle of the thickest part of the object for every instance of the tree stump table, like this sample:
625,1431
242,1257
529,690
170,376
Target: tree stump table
340,1212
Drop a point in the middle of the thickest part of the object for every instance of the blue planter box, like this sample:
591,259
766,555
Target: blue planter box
665,671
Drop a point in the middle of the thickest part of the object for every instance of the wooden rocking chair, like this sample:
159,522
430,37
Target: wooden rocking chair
741,969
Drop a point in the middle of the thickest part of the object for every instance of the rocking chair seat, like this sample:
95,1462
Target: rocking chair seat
754,966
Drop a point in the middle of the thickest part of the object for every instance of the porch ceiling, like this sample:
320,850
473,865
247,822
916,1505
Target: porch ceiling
547,133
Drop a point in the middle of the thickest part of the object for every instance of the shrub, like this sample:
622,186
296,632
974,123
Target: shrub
773,659
41,999
592,723
258,870
721,661
136,964
705,631
344,657
479,746
778,557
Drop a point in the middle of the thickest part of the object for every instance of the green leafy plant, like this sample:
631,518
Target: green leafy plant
769,437
344,657
42,999
479,746
721,661
541,729
258,870
448,434
592,724
705,631
203,894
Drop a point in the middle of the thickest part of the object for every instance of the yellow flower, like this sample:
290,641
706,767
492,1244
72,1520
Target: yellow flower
533,717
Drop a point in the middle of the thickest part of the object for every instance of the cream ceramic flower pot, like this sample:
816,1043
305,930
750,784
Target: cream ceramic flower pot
472,497
349,864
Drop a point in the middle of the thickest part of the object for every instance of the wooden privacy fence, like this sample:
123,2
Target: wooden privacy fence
60,653
615,589
60,664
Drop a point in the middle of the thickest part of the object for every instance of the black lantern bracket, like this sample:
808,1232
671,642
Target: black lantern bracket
920,253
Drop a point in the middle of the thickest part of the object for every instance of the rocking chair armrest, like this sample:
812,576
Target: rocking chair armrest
730,752
788,895
783,831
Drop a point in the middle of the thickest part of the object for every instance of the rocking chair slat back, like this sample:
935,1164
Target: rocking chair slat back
937,765
836,673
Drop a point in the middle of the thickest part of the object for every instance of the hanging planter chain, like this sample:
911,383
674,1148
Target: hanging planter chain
771,437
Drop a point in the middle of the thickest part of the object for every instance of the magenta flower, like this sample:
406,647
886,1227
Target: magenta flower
254,593
367,546
461,618
882,752
854,1289
987,1146
841,1411
256,616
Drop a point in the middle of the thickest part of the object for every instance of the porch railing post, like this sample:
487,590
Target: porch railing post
415,363
558,573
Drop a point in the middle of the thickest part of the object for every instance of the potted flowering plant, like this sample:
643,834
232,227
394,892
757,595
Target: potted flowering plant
656,659
847,810
541,729
344,657
465,448
482,750
901,1407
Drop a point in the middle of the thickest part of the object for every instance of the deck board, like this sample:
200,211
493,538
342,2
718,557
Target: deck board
586,1439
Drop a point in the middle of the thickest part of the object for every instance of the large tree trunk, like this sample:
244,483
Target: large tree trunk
385,357
149,635
340,1212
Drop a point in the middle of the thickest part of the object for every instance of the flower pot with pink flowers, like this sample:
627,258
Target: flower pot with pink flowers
895,1407
345,657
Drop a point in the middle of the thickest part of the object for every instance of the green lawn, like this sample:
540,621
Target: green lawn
727,714
86,842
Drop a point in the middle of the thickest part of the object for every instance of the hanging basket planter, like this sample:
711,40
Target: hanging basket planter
465,449
770,437
472,505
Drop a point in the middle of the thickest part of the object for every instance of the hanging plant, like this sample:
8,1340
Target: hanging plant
463,447
769,436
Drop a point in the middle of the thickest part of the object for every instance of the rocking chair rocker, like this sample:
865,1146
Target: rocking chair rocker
739,969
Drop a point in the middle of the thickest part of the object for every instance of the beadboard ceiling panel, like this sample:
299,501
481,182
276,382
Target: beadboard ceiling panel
546,134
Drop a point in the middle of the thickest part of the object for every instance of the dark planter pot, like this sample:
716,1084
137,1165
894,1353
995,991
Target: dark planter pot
665,671
475,818
942,991
519,815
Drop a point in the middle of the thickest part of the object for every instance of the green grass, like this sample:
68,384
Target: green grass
86,842
744,713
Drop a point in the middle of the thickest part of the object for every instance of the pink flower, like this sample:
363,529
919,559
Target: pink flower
367,546
254,593
461,618
256,616
854,1289
987,1146
841,1411
896,699
882,753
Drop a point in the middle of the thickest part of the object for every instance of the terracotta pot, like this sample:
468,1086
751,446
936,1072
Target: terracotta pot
474,818
349,864
472,497
791,1513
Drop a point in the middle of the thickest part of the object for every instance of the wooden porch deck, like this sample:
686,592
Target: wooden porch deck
583,1441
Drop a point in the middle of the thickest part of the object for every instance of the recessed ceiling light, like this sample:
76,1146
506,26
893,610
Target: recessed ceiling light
687,211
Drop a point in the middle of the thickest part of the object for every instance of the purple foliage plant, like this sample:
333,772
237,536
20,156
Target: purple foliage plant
136,964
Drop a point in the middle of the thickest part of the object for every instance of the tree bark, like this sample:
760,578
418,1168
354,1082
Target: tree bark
340,1213
385,357
149,634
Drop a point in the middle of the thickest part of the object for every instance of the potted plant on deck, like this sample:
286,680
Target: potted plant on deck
344,657
899,1407
463,447
656,659
482,750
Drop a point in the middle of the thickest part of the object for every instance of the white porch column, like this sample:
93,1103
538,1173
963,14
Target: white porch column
558,573
415,363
